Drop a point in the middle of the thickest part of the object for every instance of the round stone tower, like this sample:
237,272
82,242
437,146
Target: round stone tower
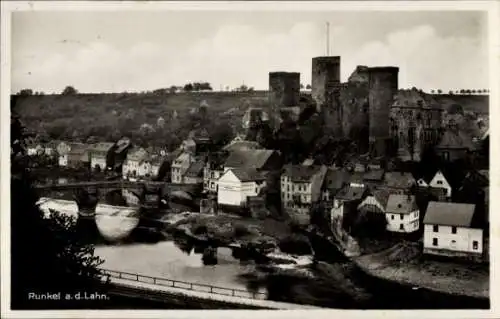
382,87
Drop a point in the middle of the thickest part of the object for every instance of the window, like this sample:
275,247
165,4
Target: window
401,227
401,216
475,245
453,243
435,228
453,230
434,241
392,217
440,182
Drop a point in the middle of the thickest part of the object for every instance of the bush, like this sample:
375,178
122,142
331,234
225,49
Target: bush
295,244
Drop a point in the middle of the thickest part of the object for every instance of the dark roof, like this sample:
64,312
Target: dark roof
374,175
381,195
251,159
248,175
336,178
195,169
401,204
301,173
398,179
449,214
349,193
455,140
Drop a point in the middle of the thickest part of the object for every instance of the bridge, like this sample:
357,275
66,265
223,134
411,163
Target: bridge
161,289
87,194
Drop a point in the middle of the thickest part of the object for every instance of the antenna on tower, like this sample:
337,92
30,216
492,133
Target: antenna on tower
328,39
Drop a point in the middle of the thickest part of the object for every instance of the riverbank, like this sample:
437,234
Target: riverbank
403,263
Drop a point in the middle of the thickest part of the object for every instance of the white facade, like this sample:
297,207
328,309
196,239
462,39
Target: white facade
439,181
144,168
63,160
234,192
453,239
403,223
155,169
131,168
180,166
210,179
98,161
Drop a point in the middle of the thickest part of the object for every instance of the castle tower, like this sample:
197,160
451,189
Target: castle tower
325,85
382,87
284,92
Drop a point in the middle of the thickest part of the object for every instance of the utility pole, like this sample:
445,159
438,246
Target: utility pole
328,39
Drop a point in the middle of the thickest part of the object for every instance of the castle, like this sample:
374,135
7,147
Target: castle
369,108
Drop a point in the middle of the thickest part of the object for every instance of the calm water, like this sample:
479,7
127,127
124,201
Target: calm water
163,258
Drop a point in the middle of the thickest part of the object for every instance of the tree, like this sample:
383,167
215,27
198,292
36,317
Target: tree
308,87
462,91
188,87
47,252
439,91
432,91
69,90
450,92
473,91
25,92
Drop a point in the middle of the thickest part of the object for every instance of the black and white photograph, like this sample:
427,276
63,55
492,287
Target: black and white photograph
249,156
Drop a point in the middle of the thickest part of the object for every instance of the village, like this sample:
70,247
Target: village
387,202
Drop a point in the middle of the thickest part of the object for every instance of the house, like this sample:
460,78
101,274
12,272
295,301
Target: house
335,179
213,170
454,145
371,178
301,186
450,230
63,149
98,155
156,163
194,174
398,182
402,213
440,181
135,157
375,201
345,206
257,159
180,165
78,155
236,185
51,148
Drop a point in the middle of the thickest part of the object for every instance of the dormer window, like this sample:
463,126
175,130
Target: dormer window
440,182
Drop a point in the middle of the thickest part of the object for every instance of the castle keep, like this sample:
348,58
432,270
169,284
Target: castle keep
284,95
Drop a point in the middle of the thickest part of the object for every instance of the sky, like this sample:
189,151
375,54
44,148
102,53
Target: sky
143,51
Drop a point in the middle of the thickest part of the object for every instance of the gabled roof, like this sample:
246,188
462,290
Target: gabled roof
382,196
248,175
196,169
377,198
349,193
399,180
455,140
336,178
251,159
374,175
401,204
449,214
101,146
301,173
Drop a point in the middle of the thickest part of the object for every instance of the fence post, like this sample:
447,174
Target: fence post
154,280
232,291
137,277
211,289
120,275
191,285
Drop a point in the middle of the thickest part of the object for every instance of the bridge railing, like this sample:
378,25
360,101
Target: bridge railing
134,277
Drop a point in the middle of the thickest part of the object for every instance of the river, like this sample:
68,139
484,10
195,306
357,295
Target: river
338,283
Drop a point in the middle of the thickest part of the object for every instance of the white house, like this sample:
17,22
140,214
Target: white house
98,154
235,185
439,181
449,230
180,165
63,151
402,213
132,163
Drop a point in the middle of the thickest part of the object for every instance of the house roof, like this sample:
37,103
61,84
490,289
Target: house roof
401,204
455,140
399,179
137,154
449,214
381,195
301,173
251,159
349,193
195,169
248,175
101,146
242,145
336,178
374,175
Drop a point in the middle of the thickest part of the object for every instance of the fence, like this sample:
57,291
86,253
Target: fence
184,285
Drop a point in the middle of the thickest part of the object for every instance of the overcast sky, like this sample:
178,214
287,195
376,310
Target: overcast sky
137,51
